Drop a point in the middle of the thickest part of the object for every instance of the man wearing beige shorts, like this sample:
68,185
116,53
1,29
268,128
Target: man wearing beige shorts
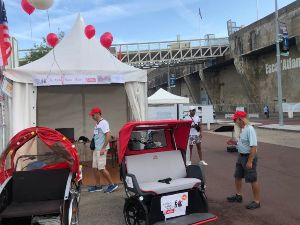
101,137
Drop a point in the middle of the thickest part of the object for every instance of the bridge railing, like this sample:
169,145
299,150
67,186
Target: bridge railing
156,54
166,45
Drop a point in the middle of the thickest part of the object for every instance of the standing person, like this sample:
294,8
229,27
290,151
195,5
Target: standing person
266,111
101,137
195,134
247,161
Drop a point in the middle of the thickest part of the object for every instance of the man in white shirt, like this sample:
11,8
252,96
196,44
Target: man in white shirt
195,134
101,138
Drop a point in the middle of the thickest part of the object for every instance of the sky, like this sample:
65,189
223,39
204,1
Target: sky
132,21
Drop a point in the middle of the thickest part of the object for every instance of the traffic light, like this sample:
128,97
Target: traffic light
284,44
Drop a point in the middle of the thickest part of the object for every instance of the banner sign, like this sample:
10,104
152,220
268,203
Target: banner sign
286,64
172,80
6,86
174,205
56,80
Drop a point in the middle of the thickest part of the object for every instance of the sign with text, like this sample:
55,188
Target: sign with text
174,205
286,64
51,80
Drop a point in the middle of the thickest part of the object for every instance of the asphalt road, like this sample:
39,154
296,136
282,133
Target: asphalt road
279,176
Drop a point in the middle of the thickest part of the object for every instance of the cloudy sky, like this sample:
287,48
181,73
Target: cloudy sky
137,20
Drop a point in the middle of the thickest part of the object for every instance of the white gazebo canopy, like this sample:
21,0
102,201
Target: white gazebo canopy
162,97
75,62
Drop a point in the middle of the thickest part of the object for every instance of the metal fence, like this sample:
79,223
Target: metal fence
250,108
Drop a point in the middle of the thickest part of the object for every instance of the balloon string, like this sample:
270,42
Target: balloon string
30,27
55,61
53,51
62,74
49,21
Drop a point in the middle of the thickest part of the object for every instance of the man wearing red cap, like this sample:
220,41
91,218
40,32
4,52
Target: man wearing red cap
101,137
247,160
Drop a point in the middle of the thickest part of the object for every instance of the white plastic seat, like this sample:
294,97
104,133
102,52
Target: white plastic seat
151,167
175,185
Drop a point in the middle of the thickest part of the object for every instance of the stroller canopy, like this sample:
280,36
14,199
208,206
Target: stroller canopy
180,131
54,140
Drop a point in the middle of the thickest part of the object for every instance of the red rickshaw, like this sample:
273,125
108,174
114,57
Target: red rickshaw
40,179
160,188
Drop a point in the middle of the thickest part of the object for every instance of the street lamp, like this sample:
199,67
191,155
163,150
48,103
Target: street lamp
279,82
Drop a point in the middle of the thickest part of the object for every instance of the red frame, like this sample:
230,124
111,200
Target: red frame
180,129
49,137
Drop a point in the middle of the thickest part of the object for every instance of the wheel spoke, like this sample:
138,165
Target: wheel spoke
135,213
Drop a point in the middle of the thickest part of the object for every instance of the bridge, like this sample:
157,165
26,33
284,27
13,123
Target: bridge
159,54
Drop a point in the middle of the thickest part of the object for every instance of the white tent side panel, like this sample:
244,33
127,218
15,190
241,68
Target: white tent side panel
24,107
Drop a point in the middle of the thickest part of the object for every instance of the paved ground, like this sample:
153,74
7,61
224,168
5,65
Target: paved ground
279,175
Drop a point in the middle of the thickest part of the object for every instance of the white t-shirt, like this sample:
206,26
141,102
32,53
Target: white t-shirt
196,120
99,134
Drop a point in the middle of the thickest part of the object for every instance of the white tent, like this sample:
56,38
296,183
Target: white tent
164,105
162,97
59,89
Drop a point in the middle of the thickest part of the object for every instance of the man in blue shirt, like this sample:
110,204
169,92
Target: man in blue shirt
247,161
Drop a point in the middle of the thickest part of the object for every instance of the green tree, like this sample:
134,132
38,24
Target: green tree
39,50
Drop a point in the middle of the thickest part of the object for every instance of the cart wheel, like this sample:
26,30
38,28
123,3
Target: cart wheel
75,213
77,187
4,199
135,212
128,193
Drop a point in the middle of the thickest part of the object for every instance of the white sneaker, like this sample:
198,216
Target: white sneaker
203,163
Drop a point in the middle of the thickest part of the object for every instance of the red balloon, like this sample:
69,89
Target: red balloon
108,35
52,39
27,7
106,39
89,31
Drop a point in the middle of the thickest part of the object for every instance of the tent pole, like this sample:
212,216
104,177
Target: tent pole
3,125
2,113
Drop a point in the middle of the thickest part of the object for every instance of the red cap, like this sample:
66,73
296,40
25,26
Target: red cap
239,114
95,110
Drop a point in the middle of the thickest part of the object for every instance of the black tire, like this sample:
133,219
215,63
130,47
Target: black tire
75,213
128,193
135,212
4,199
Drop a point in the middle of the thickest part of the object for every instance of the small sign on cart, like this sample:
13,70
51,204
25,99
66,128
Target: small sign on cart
174,205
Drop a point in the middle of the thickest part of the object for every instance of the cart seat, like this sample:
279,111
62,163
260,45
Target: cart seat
175,185
38,192
23,209
151,168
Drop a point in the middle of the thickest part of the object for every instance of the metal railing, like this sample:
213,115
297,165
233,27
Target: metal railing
157,54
